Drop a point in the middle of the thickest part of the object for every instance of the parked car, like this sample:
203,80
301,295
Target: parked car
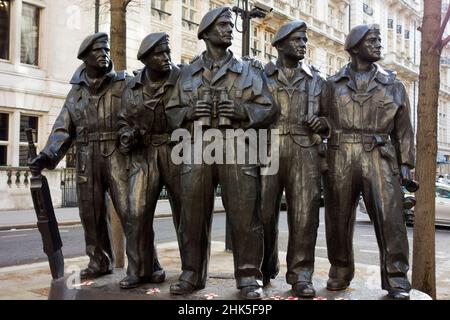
442,205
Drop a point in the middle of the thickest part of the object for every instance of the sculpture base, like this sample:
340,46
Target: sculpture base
219,287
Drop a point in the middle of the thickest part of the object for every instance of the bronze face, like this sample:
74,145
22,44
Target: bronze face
98,56
294,46
369,48
158,60
221,32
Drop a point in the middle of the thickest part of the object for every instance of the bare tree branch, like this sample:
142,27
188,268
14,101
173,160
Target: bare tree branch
445,41
439,43
125,4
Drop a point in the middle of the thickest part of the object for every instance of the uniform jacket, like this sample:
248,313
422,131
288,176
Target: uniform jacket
87,117
383,110
296,100
139,113
245,86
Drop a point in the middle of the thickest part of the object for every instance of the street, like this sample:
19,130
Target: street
25,246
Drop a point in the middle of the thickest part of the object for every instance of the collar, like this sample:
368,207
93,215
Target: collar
272,67
232,64
79,75
381,75
140,78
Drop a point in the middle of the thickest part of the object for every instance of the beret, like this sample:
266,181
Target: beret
89,41
286,29
357,34
209,18
149,42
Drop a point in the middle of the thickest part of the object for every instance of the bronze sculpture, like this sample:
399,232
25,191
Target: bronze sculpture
370,151
296,89
246,104
88,119
144,134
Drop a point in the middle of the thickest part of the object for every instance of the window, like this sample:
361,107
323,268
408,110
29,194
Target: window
5,14
25,123
255,45
331,16
309,59
269,51
390,23
330,64
4,138
399,29
340,62
309,6
159,10
189,13
29,35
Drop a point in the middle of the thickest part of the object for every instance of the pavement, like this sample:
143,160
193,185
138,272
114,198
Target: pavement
25,219
32,281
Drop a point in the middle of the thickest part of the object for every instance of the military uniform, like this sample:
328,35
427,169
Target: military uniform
297,99
151,168
88,119
371,135
239,182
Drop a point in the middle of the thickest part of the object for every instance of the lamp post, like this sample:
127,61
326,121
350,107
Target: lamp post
258,11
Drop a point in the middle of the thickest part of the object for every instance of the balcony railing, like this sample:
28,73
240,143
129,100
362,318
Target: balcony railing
189,25
160,14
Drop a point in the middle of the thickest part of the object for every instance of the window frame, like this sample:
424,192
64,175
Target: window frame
10,38
7,143
25,144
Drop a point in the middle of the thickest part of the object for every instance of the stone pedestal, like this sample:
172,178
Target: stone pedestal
220,286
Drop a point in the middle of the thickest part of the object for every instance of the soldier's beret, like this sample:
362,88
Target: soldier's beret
357,34
150,42
286,29
209,18
89,41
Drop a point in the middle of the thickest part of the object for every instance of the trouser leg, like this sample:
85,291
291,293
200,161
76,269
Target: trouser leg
341,199
142,197
241,185
94,218
170,174
271,193
303,203
383,199
197,198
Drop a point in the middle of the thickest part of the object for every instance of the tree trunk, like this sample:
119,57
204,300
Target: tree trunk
118,31
424,269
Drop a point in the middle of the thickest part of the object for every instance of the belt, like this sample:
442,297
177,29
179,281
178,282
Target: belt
155,139
84,138
102,136
374,140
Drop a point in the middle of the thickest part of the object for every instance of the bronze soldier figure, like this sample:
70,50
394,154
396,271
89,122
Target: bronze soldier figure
144,134
295,88
370,151
244,103
88,119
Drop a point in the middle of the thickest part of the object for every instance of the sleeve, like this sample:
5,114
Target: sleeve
60,139
403,133
259,107
324,103
176,108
